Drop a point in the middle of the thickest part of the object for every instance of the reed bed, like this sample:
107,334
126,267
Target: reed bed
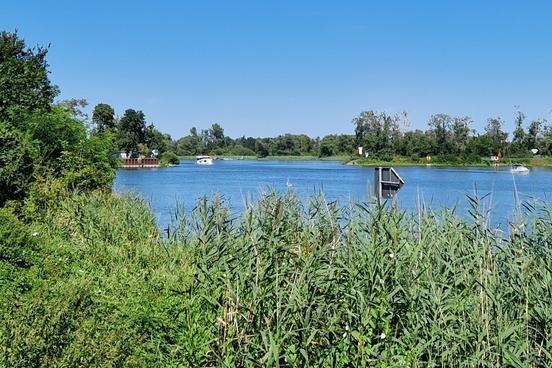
284,283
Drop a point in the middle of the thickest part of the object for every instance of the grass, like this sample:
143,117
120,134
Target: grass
450,161
281,284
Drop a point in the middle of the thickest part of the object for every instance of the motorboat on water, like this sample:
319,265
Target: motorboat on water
204,160
519,169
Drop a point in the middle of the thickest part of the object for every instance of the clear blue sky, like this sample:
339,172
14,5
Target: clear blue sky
263,68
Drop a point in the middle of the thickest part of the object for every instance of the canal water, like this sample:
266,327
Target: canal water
239,181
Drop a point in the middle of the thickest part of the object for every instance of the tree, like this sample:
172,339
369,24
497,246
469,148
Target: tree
54,132
154,139
460,134
213,138
104,117
131,130
518,141
217,132
376,132
261,148
75,106
24,82
417,143
498,138
533,134
545,146
190,144
89,165
483,145
440,125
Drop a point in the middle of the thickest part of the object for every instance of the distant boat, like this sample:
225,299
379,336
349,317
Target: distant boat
519,169
204,160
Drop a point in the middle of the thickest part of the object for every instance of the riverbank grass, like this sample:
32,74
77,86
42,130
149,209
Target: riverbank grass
90,282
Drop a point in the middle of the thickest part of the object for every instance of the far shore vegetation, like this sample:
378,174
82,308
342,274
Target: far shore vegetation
385,139
87,279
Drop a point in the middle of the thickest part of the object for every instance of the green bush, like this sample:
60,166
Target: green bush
17,246
18,155
169,158
239,150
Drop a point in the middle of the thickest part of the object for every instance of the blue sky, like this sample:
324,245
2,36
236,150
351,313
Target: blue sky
263,68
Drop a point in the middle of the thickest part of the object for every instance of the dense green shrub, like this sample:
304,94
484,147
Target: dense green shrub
169,158
17,246
18,155
239,150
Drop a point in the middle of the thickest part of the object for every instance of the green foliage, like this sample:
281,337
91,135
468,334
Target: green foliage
239,150
417,143
494,132
18,155
89,165
154,139
104,117
169,158
281,285
333,145
131,130
261,148
55,145
57,132
24,80
17,246
376,131
518,141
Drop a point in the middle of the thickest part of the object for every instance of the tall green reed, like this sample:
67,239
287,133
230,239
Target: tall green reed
284,283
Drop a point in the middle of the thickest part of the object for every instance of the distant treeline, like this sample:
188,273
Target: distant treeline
381,135
133,134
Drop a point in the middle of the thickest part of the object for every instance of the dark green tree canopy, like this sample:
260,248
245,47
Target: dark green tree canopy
104,117
132,130
157,140
24,79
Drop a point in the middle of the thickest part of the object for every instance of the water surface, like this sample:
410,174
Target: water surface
241,180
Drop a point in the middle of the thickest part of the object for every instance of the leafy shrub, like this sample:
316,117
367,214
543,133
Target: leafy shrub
18,155
239,150
89,166
169,158
445,159
325,150
385,155
17,247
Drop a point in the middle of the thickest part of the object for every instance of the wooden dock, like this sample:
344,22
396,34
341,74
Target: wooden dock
139,163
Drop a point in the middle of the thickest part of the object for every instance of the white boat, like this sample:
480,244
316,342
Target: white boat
204,160
517,168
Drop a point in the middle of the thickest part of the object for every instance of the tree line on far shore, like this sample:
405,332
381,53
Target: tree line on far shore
382,136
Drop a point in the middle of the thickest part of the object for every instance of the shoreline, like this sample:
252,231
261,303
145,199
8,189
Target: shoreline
348,160
343,159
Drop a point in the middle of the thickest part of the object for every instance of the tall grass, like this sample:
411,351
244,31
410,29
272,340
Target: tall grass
281,284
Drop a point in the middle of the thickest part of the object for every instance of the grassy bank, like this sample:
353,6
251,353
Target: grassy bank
90,283
449,161
437,161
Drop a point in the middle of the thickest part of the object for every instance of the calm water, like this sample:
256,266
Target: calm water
241,179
